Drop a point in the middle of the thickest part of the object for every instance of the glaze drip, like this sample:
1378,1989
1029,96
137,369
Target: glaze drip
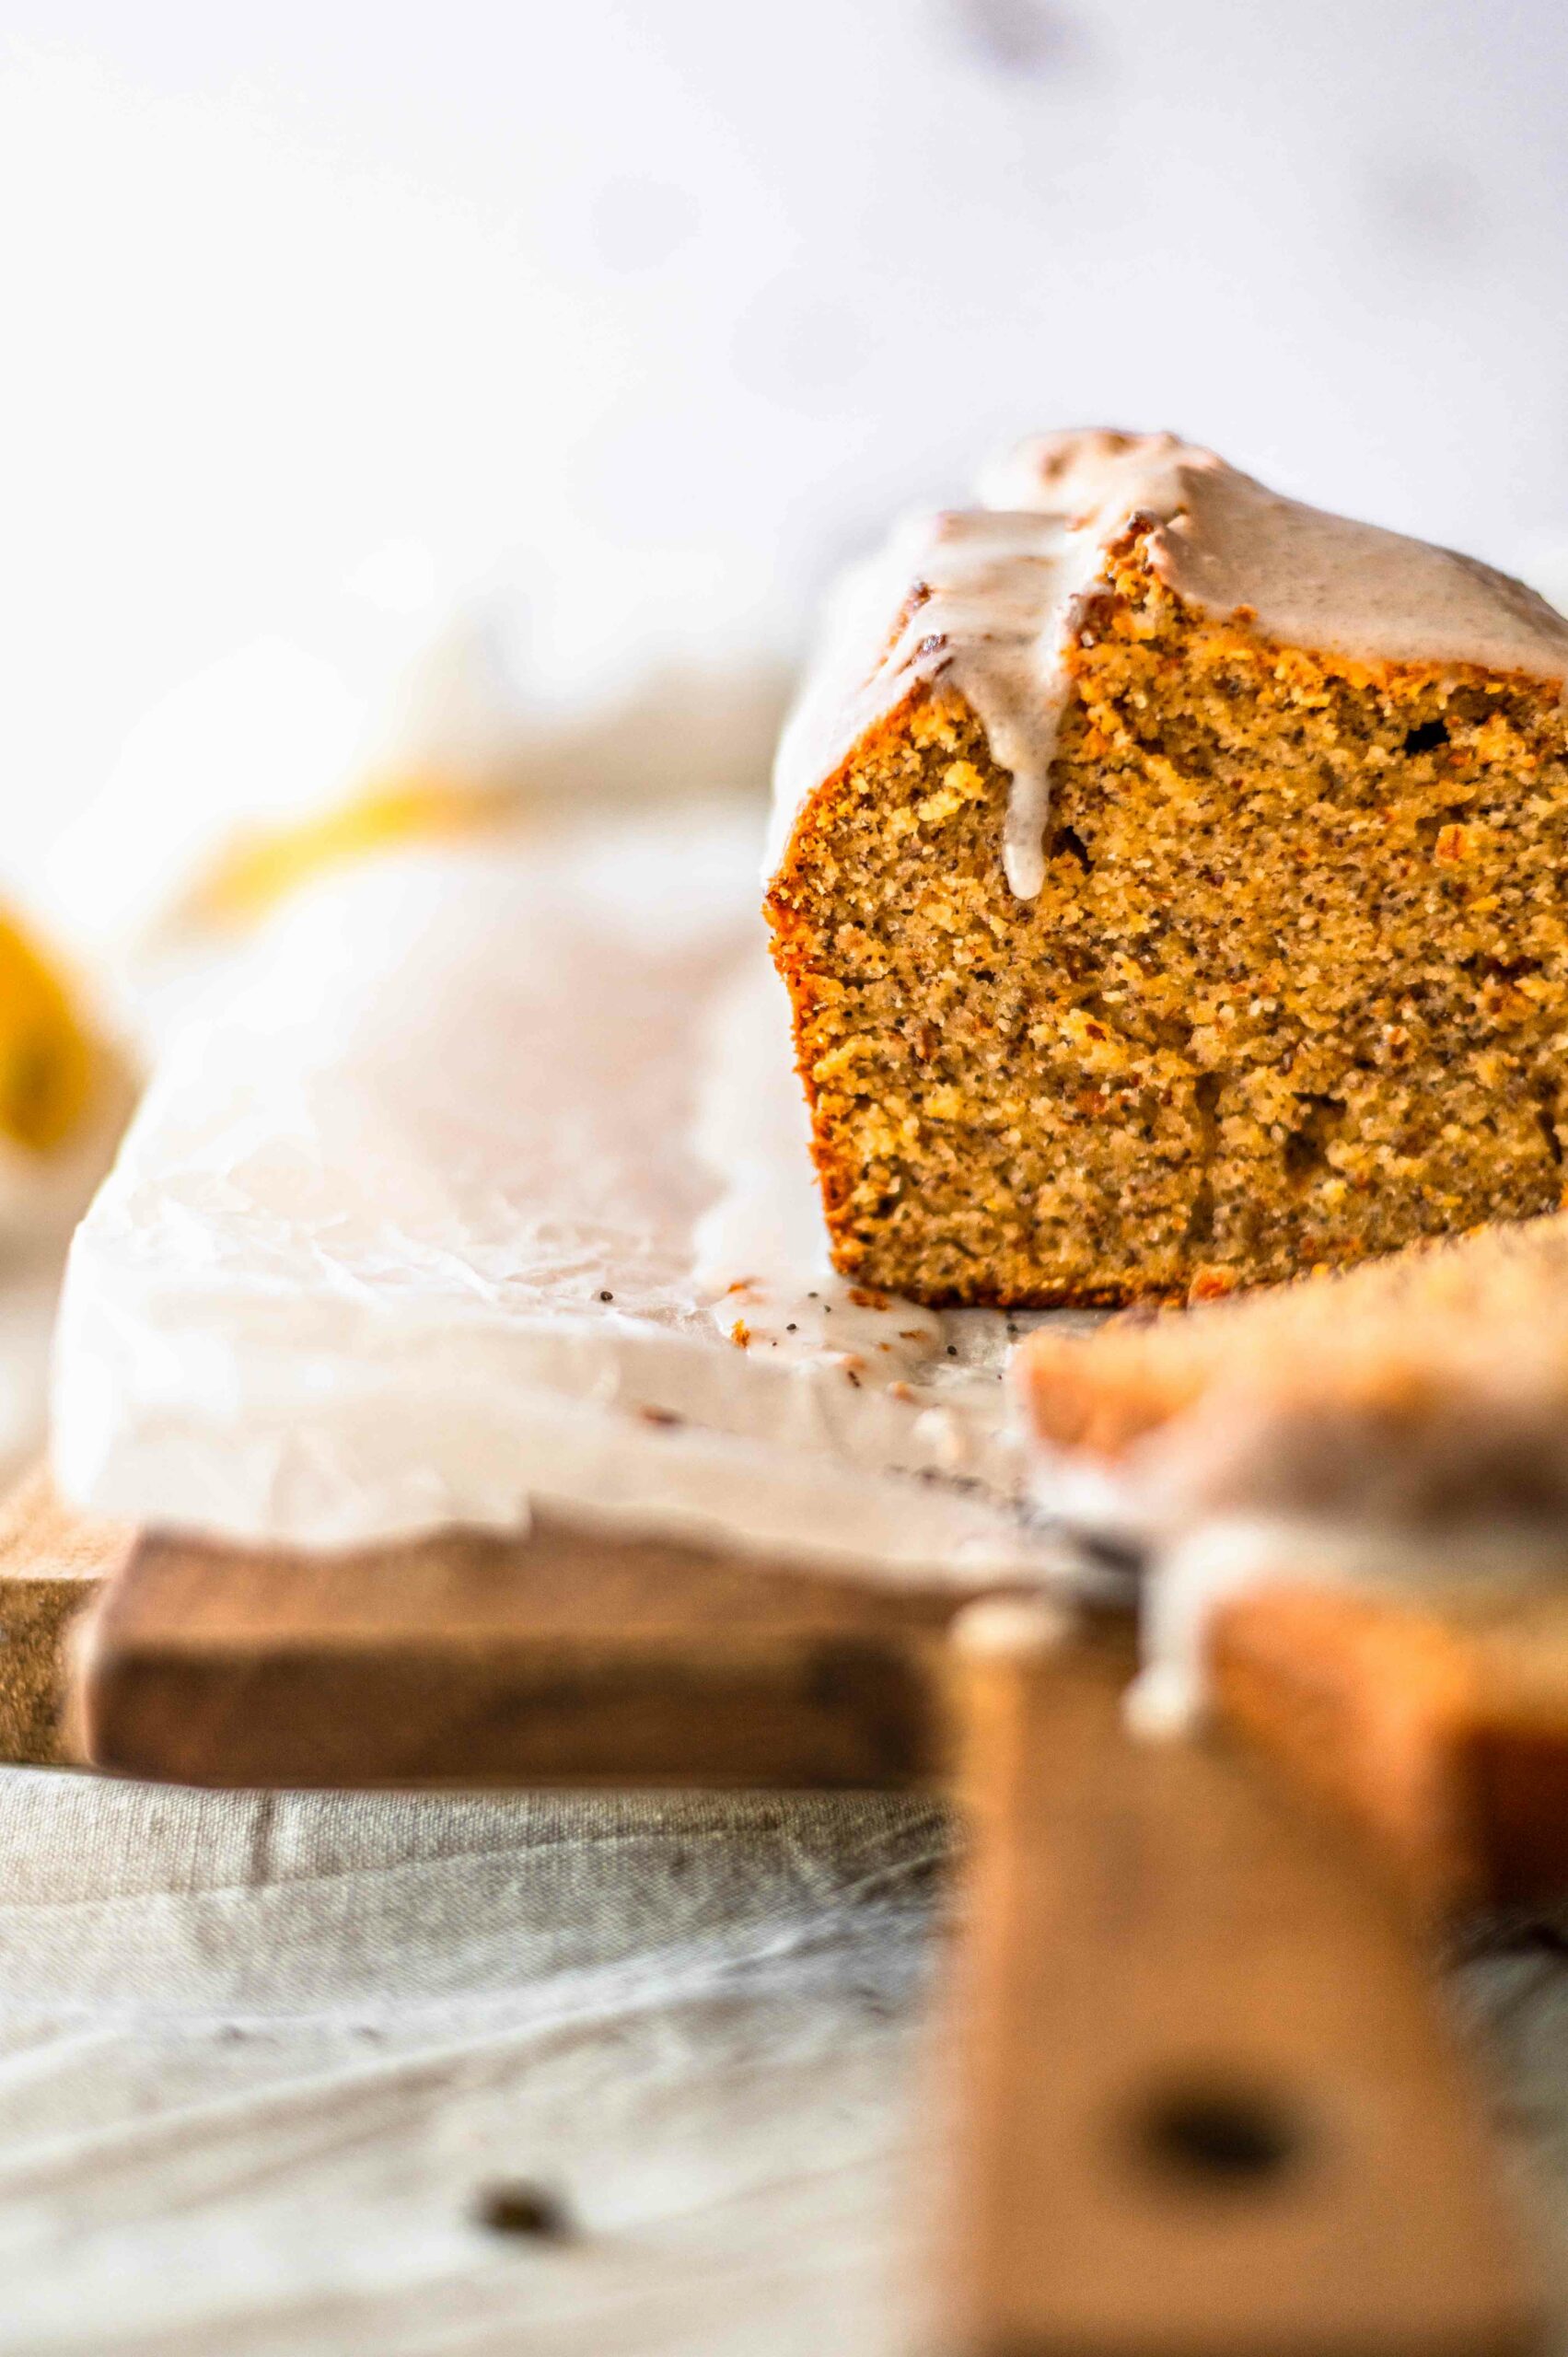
984,598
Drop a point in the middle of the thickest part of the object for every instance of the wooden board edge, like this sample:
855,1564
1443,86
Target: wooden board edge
564,1658
55,1563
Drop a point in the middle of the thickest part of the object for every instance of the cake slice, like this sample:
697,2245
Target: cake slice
1421,1399
1169,883
1398,1430
1352,1495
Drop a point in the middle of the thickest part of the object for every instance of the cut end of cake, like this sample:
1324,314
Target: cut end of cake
1290,991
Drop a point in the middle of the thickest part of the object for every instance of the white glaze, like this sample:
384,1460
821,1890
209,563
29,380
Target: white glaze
1306,578
984,601
989,600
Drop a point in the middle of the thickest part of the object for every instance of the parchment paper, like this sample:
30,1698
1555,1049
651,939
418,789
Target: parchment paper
454,1196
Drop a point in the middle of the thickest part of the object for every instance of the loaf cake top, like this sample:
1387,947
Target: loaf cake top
992,600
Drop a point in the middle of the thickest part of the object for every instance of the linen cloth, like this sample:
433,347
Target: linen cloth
263,2057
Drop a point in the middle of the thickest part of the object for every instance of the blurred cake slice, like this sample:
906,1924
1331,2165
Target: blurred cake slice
1351,1492
1168,883
1420,1393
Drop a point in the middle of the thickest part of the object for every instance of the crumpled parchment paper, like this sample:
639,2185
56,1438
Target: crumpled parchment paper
418,1223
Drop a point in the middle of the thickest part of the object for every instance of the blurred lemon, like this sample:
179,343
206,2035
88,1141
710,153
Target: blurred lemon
262,865
46,1054
67,1092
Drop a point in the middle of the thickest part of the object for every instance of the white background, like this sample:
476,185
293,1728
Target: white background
319,316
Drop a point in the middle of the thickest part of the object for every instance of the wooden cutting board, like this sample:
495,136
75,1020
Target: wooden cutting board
1192,2094
563,1658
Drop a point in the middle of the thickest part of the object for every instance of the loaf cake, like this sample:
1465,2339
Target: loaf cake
1169,882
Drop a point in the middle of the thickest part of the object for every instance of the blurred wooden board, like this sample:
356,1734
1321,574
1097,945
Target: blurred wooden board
1444,1736
573,1656
52,1565
1204,2101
